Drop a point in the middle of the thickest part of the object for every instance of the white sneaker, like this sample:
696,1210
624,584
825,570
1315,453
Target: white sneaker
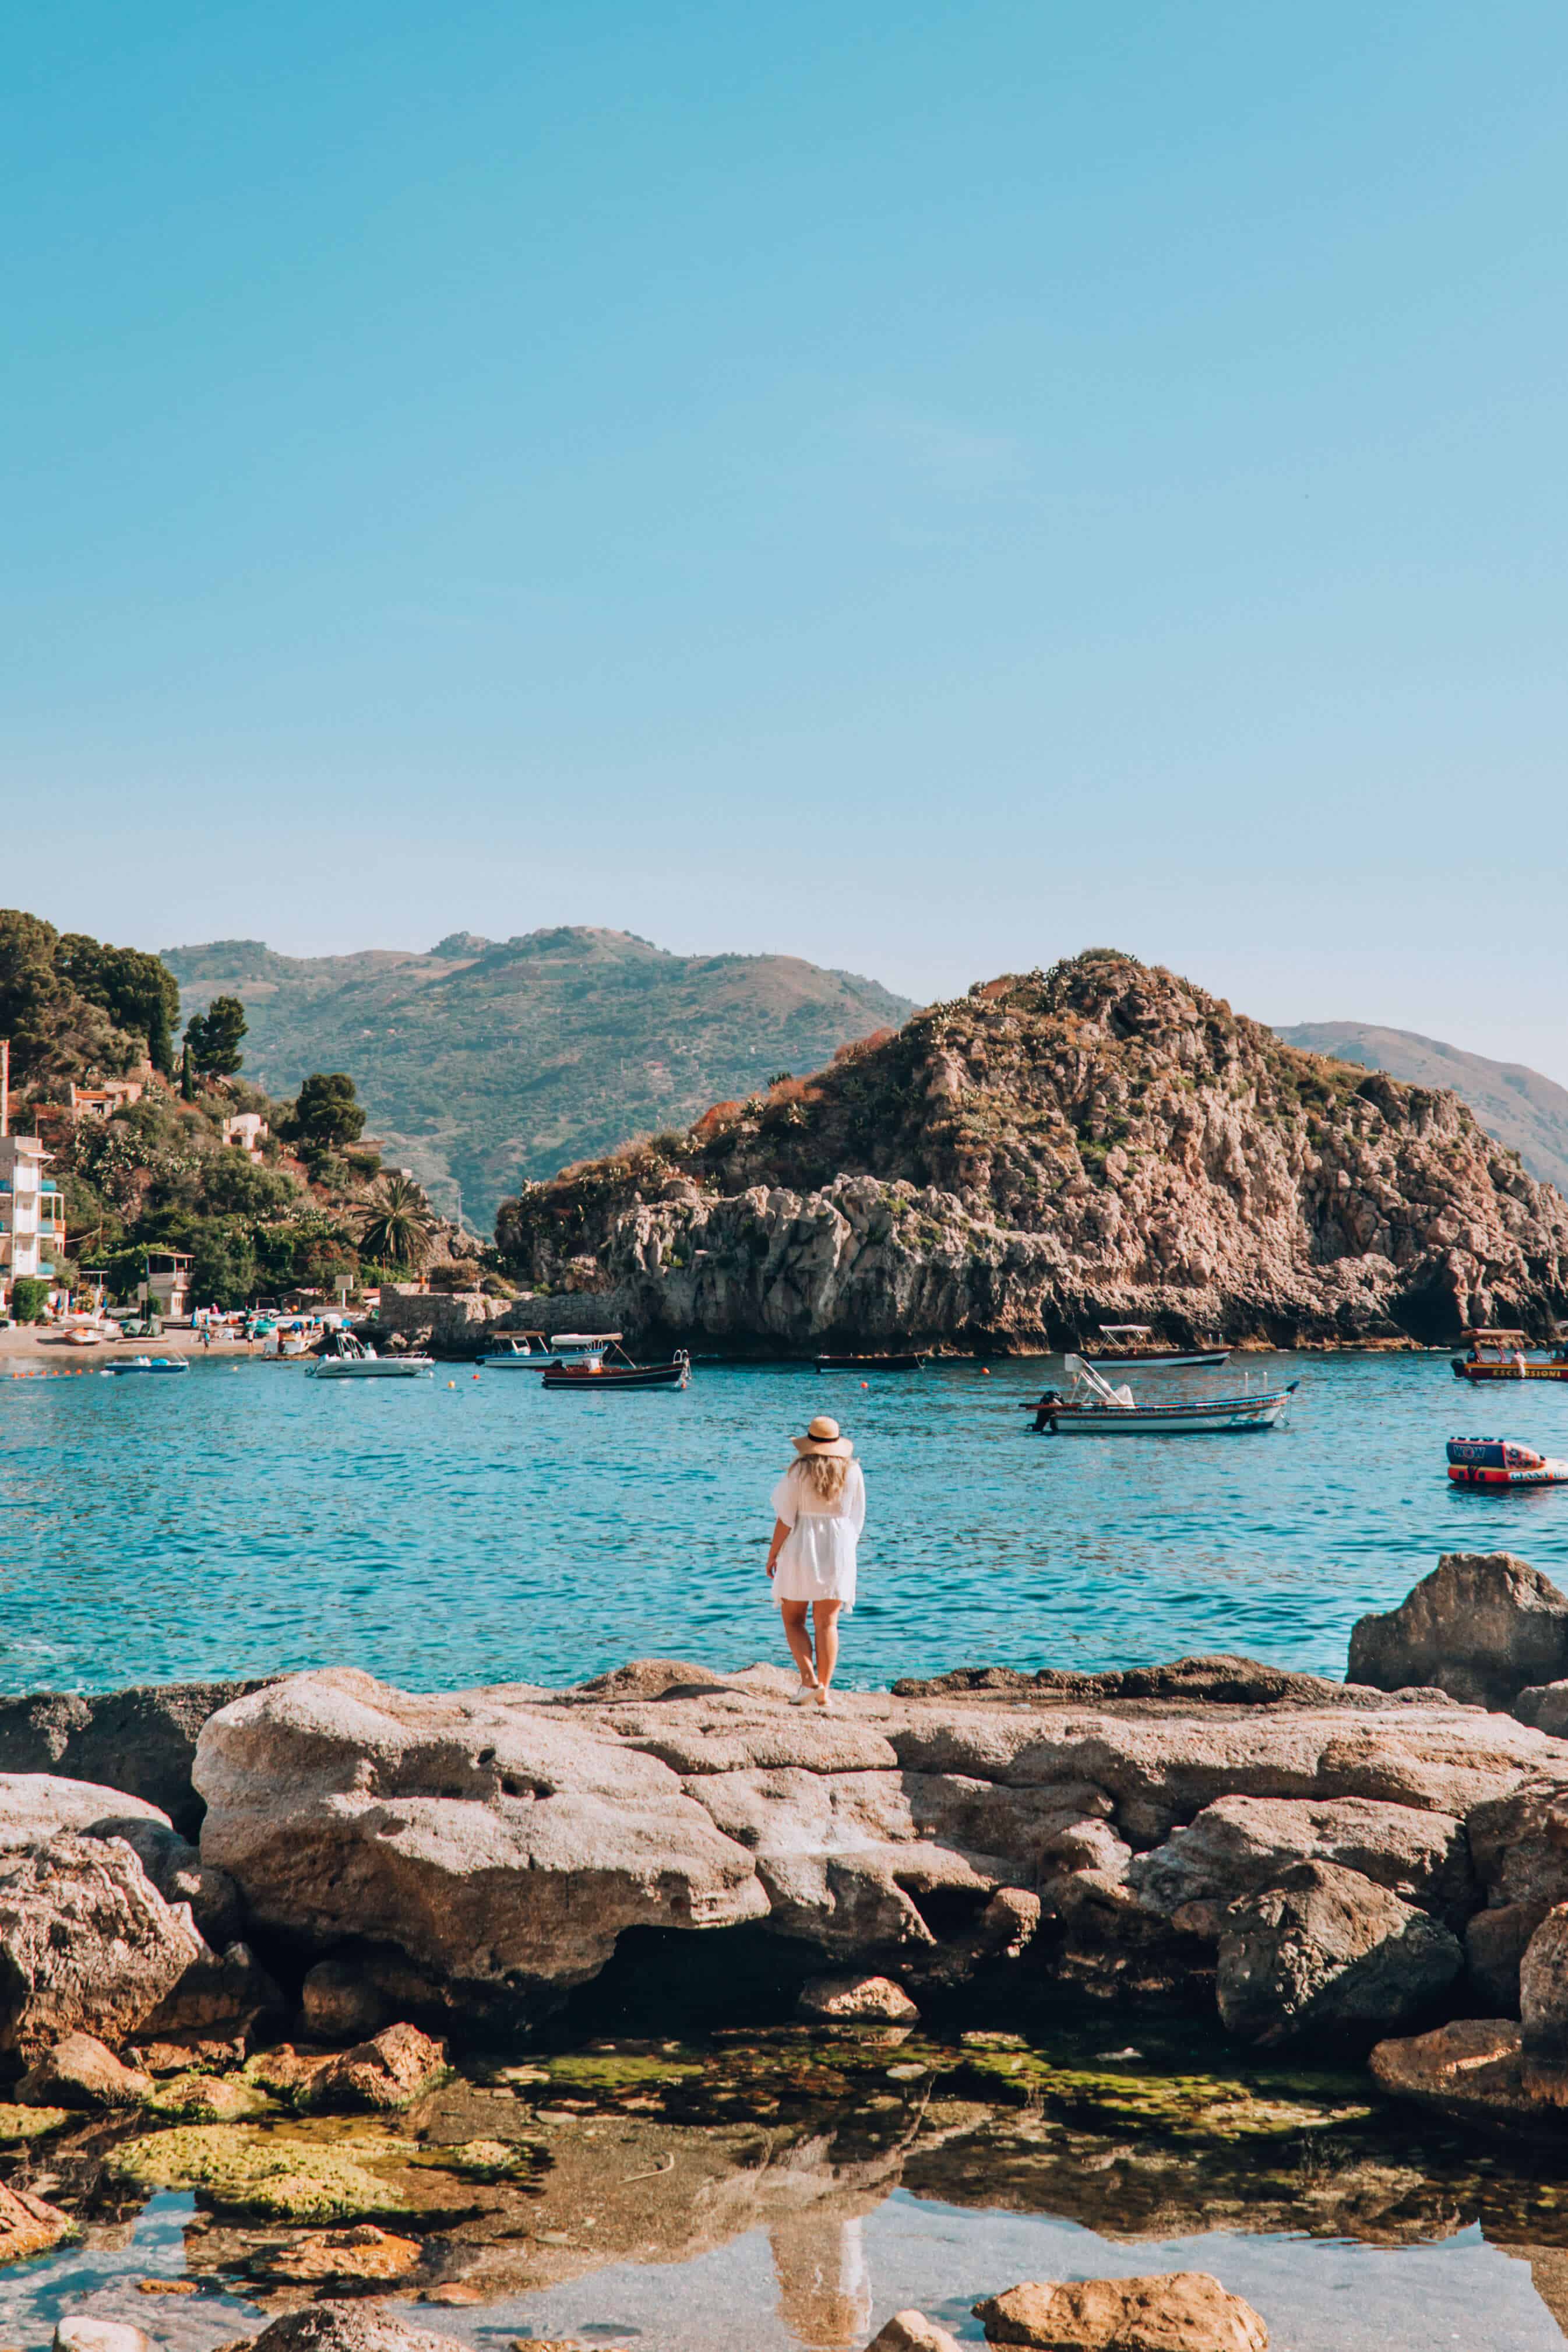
822,1694
804,1695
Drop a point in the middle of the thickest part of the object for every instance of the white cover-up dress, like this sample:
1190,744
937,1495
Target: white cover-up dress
817,1558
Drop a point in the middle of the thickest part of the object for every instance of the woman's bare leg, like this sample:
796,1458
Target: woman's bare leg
794,1615
827,1615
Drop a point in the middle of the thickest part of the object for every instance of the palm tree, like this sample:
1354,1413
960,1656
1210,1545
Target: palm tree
398,1226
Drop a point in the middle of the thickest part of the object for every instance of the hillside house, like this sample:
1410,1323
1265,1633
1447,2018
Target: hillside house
245,1130
166,1290
32,1214
104,1099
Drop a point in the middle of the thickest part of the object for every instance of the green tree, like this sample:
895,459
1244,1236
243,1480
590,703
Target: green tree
397,1229
138,991
213,1038
327,1112
224,1270
29,1296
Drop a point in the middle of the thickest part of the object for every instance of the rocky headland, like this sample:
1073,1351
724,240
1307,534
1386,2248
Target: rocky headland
1104,1140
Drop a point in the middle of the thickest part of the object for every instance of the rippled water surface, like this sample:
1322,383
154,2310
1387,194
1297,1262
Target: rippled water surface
246,1518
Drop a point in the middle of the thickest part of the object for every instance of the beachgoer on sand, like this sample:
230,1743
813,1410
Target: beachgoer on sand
819,1510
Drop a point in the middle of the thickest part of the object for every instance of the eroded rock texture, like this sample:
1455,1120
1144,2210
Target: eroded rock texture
1053,1148
489,1850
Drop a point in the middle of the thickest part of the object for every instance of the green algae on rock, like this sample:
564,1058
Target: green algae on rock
205,2099
32,2122
289,2178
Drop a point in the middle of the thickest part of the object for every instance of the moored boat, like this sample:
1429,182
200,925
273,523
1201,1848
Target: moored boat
600,1369
347,1359
1130,1346
142,1364
1094,1409
1500,1356
530,1352
1498,1462
896,1363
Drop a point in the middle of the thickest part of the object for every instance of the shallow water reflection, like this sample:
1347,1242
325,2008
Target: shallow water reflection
785,2191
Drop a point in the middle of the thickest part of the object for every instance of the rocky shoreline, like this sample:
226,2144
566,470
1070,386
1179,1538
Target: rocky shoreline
331,1953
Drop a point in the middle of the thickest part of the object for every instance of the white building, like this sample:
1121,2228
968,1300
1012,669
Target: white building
32,1214
247,1130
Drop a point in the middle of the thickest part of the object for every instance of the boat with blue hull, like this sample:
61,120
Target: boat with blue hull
1092,1408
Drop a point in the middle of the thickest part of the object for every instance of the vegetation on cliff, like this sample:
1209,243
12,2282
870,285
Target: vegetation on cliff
160,1172
493,1062
1050,1150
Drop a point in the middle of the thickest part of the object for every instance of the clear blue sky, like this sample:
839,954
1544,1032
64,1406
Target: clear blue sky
924,487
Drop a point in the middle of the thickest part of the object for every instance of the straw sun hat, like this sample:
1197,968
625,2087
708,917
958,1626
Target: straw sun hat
823,1437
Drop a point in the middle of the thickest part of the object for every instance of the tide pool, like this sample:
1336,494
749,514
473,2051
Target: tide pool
247,1519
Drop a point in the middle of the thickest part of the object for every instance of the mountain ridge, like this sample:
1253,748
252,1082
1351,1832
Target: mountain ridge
1520,1107
489,1062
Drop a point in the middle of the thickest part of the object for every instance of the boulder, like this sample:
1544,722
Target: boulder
1545,1707
141,1741
1174,2311
1325,1948
83,2331
86,1944
37,1806
387,2072
1242,1843
82,2072
1543,1987
28,2225
1473,2068
363,2253
1519,1842
356,2327
340,2002
222,1992
874,1999
500,1845
1494,1946
1483,1626
911,2331
178,1872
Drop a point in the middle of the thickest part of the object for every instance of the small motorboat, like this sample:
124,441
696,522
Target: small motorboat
908,1363
347,1359
1094,1409
1129,1346
1498,1462
1500,1356
608,1366
142,1364
530,1352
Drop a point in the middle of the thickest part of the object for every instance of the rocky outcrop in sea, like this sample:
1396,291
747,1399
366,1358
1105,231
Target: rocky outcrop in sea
1101,1141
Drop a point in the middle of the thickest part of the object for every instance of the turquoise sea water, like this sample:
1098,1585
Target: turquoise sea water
246,1520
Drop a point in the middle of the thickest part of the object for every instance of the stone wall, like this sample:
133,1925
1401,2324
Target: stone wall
452,1316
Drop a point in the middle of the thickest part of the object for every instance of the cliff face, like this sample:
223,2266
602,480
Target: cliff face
1100,1142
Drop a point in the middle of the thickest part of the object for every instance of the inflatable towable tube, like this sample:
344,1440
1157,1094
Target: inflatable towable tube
1497,1462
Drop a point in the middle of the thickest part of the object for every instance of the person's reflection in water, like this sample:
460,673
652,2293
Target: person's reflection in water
824,2283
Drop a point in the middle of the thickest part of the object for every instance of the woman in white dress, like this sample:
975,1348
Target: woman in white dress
819,1510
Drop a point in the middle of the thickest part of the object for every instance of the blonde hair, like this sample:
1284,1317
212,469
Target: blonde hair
824,1473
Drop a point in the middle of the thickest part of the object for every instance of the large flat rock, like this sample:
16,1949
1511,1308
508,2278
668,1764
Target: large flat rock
504,1840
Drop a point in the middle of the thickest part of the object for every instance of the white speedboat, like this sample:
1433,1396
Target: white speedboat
1092,1408
142,1364
354,1359
531,1351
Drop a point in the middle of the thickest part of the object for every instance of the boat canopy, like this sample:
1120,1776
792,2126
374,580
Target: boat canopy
1498,1339
1126,1330
584,1338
